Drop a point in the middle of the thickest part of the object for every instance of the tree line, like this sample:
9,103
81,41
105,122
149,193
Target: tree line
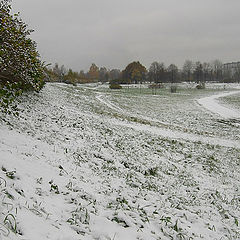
158,72
95,74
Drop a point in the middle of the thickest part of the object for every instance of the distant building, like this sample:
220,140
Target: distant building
231,68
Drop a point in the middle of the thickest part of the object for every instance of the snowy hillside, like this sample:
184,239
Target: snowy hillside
87,163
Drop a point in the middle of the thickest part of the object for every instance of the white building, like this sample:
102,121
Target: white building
231,68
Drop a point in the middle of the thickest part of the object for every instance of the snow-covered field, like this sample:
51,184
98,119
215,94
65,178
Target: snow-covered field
87,162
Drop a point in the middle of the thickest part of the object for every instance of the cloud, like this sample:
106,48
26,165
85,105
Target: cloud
112,33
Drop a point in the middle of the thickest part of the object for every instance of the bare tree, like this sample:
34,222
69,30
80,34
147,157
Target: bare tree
114,74
172,73
188,67
206,71
156,72
217,68
198,72
103,74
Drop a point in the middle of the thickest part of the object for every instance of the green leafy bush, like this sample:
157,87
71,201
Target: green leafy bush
20,64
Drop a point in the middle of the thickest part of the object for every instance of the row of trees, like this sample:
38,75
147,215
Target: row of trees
62,74
135,72
205,71
192,72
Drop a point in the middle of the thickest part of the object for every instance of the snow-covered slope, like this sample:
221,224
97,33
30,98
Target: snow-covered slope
76,165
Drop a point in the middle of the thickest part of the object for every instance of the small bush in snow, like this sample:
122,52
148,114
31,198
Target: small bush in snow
115,86
173,89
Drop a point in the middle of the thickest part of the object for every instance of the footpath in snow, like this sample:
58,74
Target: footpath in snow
211,104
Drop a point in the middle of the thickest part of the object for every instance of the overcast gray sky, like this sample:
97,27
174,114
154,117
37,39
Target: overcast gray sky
112,33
